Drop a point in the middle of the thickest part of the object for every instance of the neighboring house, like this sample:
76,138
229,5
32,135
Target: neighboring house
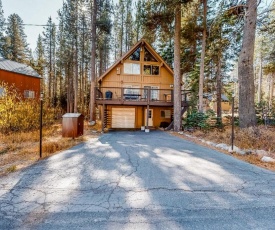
136,91
24,78
210,102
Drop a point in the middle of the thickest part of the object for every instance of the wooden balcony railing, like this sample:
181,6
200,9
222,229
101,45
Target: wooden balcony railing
137,96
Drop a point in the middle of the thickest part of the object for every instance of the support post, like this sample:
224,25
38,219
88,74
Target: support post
41,124
232,124
103,120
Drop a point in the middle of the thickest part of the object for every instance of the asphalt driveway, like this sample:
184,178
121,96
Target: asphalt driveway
137,180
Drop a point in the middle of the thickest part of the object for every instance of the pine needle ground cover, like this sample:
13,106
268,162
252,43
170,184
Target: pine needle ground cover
21,149
249,139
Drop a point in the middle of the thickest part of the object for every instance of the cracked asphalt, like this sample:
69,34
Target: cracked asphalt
137,180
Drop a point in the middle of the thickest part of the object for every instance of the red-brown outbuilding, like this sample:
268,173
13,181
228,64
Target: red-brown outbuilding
23,77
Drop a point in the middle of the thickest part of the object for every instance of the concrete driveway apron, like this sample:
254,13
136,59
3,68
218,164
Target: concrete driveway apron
137,180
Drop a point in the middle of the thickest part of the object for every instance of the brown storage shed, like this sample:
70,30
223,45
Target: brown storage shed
72,125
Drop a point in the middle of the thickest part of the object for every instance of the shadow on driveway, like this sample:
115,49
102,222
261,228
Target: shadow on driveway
137,180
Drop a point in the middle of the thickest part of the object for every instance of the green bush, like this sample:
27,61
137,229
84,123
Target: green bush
197,119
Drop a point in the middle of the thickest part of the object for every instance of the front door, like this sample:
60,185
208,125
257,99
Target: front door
150,117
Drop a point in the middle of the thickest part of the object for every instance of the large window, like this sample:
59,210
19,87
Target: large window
131,92
151,70
135,56
29,94
131,68
154,92
148,56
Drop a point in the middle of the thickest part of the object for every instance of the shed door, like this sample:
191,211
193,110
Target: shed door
123,117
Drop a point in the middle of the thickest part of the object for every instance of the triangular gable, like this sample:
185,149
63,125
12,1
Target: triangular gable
141,43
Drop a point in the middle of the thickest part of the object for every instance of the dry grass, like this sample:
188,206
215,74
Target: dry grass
257,138
19,150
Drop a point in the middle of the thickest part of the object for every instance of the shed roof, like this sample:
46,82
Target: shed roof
16,67
72,115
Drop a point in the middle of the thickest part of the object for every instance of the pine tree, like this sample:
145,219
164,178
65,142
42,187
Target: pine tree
94,8
49,42
40,57
139,20
104,28
16,47
247,113
2,29
160,15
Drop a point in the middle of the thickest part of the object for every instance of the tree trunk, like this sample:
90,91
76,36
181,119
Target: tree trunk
177,75
219,90
202,57
247,116
50,69
260,80
76,63
271,89
93,62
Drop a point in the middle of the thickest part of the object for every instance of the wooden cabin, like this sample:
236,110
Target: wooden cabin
24,78
210,102
137,91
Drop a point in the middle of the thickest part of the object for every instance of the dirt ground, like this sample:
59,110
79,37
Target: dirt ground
20,150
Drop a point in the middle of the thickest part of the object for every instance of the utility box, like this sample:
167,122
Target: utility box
72,125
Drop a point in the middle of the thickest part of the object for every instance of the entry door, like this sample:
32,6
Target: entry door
150,120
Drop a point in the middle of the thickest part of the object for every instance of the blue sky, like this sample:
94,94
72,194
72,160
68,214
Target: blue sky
33,12
38,12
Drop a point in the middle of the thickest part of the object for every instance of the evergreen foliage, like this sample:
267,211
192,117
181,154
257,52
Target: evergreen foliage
15,45
65,59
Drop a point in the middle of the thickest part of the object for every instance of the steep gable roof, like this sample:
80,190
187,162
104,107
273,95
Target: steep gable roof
16,67
142,42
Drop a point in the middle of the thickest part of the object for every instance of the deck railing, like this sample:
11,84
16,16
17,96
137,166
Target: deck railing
138,94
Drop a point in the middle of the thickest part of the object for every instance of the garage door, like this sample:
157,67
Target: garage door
123,117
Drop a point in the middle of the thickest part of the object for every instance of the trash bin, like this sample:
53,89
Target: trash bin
72,125
109,95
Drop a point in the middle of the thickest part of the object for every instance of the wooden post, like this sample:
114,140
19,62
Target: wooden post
232,123
122,94
103,120
148,107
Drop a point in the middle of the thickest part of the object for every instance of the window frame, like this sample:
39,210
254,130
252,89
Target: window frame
133,66
151,69
29,94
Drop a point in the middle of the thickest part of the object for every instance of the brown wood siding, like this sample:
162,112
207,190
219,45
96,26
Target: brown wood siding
157,119
21,82
115,80
118,79
140,115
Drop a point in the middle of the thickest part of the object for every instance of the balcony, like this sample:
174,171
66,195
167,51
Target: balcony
137,96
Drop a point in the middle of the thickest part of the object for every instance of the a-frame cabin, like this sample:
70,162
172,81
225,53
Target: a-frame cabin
137,91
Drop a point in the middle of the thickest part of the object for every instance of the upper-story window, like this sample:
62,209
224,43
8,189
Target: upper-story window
151,70
29,94
148,56
131,68
135,56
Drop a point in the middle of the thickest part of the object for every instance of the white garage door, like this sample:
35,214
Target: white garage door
123,117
